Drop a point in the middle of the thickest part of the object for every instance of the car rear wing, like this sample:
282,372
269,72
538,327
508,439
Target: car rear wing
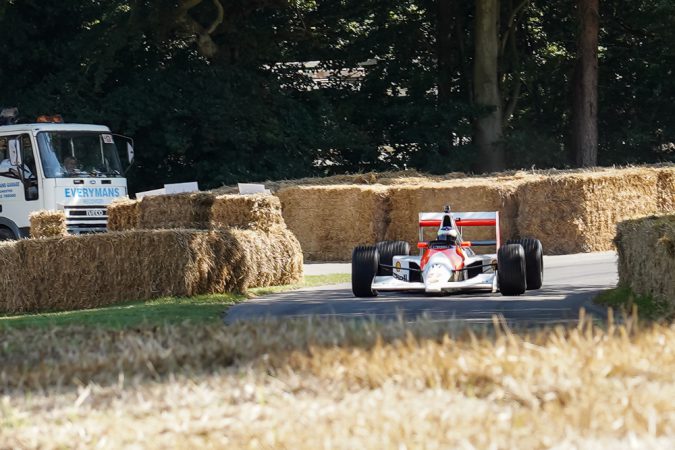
459,220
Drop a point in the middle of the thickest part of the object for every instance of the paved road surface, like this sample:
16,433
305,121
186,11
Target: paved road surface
570,282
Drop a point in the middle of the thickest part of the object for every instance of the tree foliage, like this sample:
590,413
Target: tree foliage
215,90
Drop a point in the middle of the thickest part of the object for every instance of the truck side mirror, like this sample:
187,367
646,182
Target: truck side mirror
130,152
14,152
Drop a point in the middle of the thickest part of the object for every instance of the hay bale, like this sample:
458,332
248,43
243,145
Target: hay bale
48,224
646,249
255,212
12,276
78,272
401,177
666,189
329,221
201,211
462,195
88,271
578,212
123,215
267,259
179,211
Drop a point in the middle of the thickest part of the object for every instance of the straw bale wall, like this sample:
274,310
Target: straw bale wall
93,270
578,212
569,211
666,189
11,275
646,249
200,211
124,215
329,221
88,271
234,243
46,224
462,195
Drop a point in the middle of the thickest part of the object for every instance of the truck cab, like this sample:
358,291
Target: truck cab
75,168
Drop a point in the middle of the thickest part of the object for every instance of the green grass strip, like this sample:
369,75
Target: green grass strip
201,309
624,299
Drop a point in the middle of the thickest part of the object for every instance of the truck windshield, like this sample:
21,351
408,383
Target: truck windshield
78,154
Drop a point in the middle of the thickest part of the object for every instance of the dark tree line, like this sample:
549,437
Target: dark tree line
230,90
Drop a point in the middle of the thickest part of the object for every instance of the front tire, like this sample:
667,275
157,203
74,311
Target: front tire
389,249
365,261
534,261
511,269
6,234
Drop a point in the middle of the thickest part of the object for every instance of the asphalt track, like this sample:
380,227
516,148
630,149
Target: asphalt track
570,283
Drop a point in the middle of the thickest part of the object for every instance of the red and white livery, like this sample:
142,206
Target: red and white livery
449,263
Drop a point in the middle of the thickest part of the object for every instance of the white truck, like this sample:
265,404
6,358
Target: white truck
57,166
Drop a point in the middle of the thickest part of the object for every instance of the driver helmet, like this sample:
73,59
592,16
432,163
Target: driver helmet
447,234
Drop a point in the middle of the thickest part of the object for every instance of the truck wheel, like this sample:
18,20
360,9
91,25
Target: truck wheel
534,261
511,274
6,234
364,268
389,249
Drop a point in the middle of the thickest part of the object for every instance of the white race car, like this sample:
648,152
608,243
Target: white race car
448,263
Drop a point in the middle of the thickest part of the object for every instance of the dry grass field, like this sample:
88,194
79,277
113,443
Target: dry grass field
338,385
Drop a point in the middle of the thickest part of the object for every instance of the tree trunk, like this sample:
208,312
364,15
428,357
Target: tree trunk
444,30
585,86
488,127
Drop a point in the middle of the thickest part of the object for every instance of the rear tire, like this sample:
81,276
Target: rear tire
389,249
365,261
511,269
534,261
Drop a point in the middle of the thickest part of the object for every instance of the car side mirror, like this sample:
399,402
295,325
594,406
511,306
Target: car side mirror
14,152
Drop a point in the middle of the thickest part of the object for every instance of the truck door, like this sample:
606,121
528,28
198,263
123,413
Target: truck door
19,186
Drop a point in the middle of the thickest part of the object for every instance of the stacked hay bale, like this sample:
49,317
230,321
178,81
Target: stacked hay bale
666,189
578,212
462,195
402,177
330,221
48,224
104,269
186,211
250,247
646,249
255,212
201,211
248,231
12,278
570,211
268,259
123,215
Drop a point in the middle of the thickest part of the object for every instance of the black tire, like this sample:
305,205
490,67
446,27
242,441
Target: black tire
389,249
534,261
365,261
6,234
511,271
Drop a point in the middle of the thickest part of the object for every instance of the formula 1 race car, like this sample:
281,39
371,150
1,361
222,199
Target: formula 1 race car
448,263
